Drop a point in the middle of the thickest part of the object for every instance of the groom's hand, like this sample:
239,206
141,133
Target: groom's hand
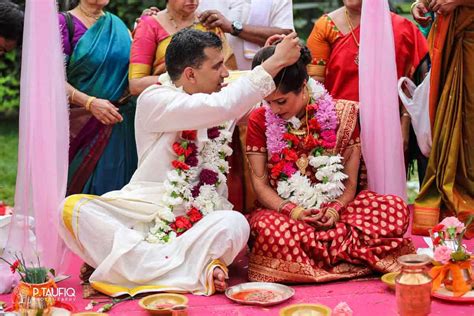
287,52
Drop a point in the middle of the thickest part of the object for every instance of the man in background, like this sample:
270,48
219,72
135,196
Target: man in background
11,26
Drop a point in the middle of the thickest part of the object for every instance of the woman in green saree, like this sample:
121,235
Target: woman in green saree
102,153
448,187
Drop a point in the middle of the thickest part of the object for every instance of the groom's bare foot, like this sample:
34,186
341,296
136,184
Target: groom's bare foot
219,279
86,272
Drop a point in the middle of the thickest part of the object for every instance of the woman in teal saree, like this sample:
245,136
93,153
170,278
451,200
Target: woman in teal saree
102,153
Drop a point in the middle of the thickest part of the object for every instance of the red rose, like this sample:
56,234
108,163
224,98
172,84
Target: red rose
277,169
179,165
189,135
291,138
178,149
3,209
194,215
438,228
313,107
275,158
310,142
290,154
14,266
314,124
182,224
437,241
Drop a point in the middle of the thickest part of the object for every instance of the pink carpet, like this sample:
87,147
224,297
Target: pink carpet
365,296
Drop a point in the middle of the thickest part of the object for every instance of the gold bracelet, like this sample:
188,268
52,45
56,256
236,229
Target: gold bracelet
413,5
72,95
333,213
296,212
89,103
406,114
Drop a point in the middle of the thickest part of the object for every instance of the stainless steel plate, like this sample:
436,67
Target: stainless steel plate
259,293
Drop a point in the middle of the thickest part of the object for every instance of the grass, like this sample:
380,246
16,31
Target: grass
8,160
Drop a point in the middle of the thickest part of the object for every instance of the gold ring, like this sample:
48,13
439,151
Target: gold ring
215,15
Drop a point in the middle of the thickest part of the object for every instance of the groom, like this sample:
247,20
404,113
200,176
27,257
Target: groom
172,228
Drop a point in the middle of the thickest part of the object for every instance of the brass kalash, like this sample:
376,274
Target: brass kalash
413,286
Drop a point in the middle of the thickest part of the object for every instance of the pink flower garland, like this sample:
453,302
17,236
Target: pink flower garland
325,114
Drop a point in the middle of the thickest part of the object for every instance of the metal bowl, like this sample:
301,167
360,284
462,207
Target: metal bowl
259,293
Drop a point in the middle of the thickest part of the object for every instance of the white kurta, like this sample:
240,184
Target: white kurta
109,231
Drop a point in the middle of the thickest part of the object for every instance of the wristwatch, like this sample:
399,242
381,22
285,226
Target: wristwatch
237,27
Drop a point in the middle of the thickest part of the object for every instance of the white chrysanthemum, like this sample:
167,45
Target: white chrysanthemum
296,122
227,150
299,189
284,189
165,213
152,238
318,161
174,176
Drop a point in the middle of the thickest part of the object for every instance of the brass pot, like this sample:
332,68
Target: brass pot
413,286
34,299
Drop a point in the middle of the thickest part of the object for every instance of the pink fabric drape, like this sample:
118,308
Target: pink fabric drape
381,136
44,140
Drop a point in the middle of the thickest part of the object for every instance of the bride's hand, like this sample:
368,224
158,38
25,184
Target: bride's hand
313,217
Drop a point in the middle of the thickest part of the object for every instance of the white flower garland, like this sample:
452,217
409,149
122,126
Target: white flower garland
299,189
211,155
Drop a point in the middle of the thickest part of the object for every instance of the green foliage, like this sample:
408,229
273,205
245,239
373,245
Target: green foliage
8,161
9,84
130,10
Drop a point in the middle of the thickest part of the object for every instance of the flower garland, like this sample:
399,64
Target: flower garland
193,183
285,159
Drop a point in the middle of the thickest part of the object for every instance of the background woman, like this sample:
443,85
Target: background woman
304,153
102,147
334,44
153,35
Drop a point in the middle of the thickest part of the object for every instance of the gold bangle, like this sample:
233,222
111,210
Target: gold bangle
333,213
296,212
72,95
414,4
406,114
89,103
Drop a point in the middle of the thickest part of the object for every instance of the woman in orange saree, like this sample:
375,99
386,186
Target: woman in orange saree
304,154
334,45
448,188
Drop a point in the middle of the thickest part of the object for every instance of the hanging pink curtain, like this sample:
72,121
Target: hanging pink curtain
44,140
381,135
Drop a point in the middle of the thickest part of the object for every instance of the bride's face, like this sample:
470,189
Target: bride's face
287,105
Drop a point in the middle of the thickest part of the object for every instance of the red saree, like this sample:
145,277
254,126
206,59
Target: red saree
339,53
368,236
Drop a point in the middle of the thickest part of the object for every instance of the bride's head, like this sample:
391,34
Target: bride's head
291,96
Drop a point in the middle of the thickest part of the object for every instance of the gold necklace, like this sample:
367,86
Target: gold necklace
90,15
175,24
351,27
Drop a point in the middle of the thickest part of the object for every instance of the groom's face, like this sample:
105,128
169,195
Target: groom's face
209,77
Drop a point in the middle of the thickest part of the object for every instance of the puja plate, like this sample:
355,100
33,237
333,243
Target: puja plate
259,293
389,279
306,310
444,294
162,303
